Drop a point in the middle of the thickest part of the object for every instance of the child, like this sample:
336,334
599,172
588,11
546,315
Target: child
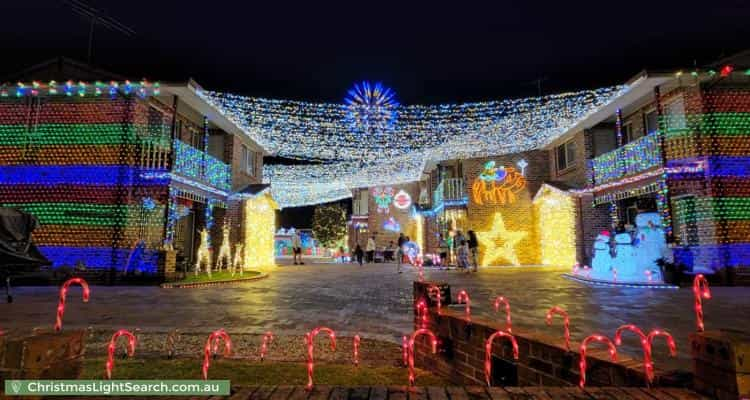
359,254
463,255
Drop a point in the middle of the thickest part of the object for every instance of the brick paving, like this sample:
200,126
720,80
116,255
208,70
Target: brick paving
375,301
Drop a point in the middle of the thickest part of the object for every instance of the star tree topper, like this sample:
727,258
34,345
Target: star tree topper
499,234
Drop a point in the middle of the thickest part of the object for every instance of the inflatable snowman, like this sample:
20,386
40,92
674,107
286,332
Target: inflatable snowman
650,247
601,264
624,264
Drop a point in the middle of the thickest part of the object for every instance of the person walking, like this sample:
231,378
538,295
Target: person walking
457,241
400,251
443,250
463,255
297,249
358,253
371,249
473,243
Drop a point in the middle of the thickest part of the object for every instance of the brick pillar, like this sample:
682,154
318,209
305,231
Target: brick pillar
721,364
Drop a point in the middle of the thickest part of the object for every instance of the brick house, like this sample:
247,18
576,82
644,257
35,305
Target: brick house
116,172
675,143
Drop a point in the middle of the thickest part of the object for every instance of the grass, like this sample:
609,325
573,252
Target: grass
216,276
241,372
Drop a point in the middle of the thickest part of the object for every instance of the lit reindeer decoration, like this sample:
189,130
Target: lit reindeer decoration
237,264
225,252
204,254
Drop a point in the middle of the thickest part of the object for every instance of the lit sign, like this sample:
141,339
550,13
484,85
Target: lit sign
402,200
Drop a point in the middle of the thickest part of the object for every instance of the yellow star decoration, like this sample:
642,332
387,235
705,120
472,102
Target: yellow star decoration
489,240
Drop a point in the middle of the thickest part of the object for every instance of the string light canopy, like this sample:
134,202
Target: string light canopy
348,155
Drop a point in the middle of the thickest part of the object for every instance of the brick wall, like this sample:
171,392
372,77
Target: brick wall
575,175
403,217
517,215
543,359
233,153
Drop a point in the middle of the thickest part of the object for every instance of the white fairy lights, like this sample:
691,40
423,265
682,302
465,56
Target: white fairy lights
350,158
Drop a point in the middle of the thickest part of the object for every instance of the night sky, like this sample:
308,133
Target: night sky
428,52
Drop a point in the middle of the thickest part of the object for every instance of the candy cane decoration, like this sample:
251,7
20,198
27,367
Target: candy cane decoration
405,350
614,274
212,342
488,352
433,342
463,297
436,290
422,312
566,323
670,343
645,345
64,294
502,300
584,344
700,291
110,365
356,350
267,339
310,337
172,338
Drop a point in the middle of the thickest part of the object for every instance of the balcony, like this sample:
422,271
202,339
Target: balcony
451,191
631,159
197,165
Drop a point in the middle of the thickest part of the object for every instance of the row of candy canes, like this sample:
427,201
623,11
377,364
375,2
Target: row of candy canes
700,291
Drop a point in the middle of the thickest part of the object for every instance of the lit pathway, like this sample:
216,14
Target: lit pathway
375,301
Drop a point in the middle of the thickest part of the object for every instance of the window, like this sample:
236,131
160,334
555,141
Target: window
651,122
566,155
247,161
675,114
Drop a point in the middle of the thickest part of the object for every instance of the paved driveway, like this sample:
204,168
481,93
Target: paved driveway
374,300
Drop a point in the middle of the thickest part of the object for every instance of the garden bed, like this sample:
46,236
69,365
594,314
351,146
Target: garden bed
217,278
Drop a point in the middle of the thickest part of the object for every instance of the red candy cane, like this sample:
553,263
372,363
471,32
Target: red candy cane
488,352
422,312
110,365
310,346
584,344
64,295
566,323
700,291
267,339
405,349
463,297
433,342
502,300
645,345
436,290
670,343
356,350
212,341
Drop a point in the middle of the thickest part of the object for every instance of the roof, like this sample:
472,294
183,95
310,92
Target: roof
188,92
62,69
254,189
640,86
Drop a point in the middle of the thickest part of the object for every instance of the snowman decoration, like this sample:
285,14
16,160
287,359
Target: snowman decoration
650,247
602,262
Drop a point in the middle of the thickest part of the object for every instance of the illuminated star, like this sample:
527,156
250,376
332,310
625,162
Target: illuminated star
498,234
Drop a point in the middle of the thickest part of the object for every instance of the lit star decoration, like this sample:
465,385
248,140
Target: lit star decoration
348,158
499,234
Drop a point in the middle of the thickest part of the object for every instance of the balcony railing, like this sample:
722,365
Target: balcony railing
449,190
630,159
195,164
